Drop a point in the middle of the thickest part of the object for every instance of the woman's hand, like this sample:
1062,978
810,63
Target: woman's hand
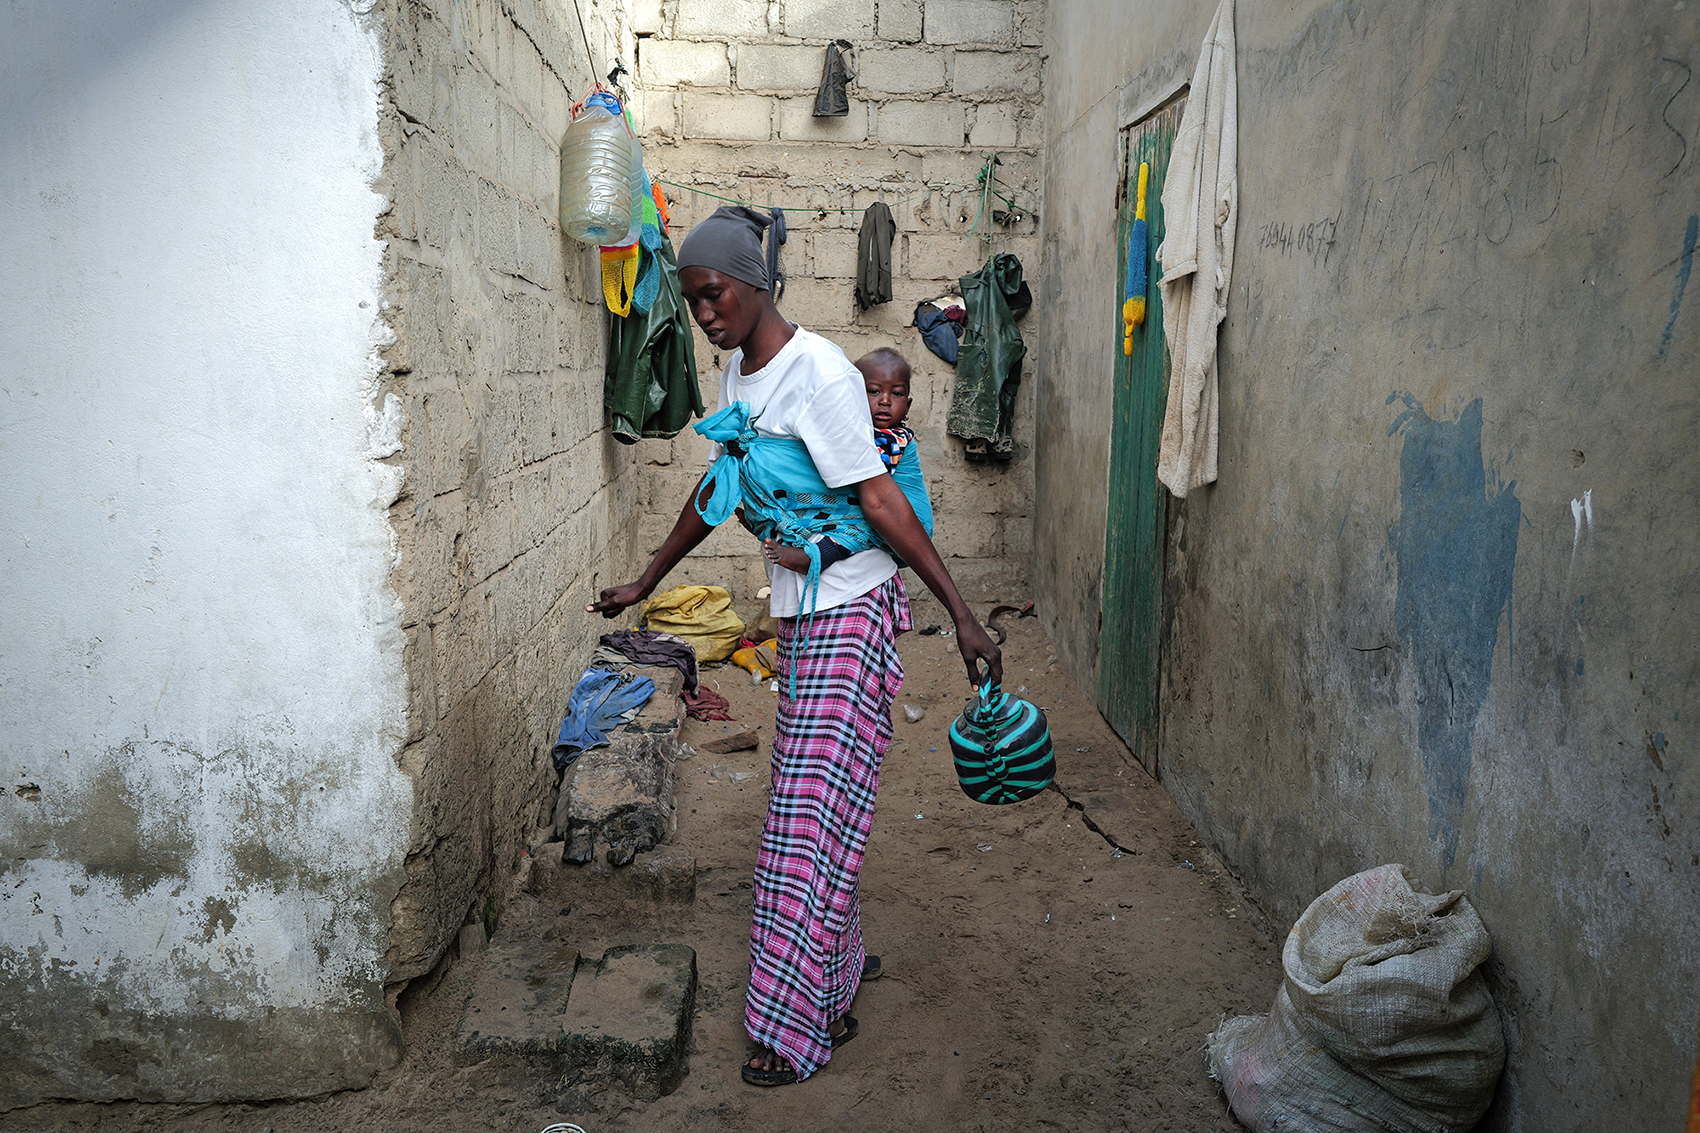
888,512
976,645
687,533
617,598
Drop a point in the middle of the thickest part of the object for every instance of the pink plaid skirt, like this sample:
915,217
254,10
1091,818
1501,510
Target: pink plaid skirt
806,950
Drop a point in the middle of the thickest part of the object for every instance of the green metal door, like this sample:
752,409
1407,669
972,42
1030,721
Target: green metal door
1134,533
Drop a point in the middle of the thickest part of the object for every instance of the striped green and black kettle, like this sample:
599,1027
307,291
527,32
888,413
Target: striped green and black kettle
1002,748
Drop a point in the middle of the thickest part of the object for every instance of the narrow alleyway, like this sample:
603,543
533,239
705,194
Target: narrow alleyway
1054,964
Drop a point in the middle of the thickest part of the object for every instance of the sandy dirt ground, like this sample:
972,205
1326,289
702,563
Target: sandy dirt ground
1055,964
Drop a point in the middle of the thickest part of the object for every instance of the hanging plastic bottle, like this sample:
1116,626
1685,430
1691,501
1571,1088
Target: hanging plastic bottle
637,195
596,173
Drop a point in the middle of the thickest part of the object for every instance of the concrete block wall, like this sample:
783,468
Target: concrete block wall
506,523
724,100
1435,611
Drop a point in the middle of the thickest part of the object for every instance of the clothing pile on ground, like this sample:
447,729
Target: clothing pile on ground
606,696
601,701
648,647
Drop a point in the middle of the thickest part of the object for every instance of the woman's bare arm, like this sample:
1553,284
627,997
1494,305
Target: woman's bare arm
889,514
688,532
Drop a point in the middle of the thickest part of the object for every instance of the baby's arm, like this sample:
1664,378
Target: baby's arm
797,559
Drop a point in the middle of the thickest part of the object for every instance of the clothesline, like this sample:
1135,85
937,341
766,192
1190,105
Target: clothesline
819,209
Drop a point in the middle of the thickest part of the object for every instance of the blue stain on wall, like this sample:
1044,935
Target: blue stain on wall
1685,266
1455,545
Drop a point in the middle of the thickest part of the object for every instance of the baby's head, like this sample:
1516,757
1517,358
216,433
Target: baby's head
887,377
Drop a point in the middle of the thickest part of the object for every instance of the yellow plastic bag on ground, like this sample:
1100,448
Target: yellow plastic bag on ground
702,615
761,660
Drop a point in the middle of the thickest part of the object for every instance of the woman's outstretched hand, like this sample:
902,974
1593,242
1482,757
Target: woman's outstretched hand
616,598
976,646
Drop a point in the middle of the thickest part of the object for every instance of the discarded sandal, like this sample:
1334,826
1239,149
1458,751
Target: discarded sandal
872,969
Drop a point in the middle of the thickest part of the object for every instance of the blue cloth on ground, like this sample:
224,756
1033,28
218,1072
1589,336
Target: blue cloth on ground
594,709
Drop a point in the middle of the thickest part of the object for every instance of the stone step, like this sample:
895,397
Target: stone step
621,796
629,1019
662,881
623,1018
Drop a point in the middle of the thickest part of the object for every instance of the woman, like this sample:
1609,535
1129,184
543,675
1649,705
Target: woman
836,690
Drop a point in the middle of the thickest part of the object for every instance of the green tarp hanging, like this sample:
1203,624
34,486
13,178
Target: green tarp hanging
988,367
650,382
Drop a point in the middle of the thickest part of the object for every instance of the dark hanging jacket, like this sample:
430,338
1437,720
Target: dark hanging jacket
832,100
988,366
650,382
873,256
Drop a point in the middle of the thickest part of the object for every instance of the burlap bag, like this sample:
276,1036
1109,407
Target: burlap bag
1383,1021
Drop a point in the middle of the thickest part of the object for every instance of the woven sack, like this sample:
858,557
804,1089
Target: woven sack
1383,1022
702,615
1002,748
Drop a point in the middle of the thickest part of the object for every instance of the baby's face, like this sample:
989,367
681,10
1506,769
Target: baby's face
888,394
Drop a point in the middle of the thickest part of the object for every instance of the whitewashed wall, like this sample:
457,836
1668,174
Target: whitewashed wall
201,688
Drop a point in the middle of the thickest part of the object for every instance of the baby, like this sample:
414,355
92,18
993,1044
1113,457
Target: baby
887,377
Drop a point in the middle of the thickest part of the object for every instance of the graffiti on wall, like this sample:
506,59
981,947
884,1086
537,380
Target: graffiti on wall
1455,545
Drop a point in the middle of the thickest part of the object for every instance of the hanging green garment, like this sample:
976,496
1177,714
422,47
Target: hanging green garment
650,383
988,367
873,256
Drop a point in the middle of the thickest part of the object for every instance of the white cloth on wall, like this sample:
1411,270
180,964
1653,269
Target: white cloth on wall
1200,209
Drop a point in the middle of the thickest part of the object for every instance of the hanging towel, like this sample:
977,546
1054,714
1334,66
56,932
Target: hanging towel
873,256
650,380
775,237
1200,210
598,702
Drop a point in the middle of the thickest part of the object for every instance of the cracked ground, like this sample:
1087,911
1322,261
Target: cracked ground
1052,964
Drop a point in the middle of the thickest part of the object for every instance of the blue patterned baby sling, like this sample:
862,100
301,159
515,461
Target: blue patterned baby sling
784,498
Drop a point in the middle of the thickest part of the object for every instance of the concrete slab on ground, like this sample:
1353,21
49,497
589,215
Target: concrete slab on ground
622,1019
517,1002
629,1019
621,796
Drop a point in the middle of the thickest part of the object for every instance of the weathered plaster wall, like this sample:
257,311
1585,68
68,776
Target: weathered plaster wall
512,514
726,93
201,682
1441,607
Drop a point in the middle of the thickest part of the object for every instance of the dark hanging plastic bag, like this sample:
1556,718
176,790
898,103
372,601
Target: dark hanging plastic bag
1002,748
833,98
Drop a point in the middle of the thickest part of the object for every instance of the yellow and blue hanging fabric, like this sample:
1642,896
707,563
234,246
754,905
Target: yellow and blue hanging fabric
650,382
649,244
1133,307
630,274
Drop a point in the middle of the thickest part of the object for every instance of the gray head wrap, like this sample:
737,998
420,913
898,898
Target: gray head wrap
728,241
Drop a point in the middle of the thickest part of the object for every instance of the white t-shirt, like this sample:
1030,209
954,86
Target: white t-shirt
811,392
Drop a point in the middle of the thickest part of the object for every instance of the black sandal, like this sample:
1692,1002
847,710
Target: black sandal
850,1031
778,1076
786,1075
872,969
